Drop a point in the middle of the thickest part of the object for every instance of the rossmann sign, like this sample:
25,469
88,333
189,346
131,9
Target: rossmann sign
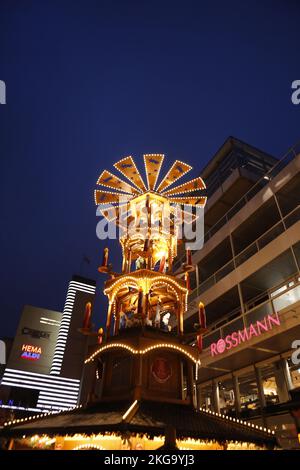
242,336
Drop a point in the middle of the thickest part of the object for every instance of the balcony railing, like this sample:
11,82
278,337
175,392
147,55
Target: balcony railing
237,158
288,296
261,183
248,252
277,168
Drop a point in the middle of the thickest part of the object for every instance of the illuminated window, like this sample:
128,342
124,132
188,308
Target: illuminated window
250,405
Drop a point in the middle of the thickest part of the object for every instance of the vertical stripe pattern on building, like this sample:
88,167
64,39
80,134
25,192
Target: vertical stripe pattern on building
73,288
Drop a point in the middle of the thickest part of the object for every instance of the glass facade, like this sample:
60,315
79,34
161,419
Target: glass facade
249,398
205,397
244,393
290,297
295,373
227,396
270,375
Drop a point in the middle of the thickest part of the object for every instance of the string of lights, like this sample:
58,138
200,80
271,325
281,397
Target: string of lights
148,349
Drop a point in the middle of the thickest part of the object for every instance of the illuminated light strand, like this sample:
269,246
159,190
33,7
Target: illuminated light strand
170,287
132,162
176,190
23,408
150,280
119,194
142,351
231,445
42,415
131,284
89,446
56,408
238,421
147,163
168,175
79,436
128,284
190,204
109,200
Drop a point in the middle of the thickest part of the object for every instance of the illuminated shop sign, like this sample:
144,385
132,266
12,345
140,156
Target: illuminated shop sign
241,336
35,333
31,352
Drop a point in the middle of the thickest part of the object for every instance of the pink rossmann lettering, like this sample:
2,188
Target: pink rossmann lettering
241,336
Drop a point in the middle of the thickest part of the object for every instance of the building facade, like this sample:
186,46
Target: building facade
247,274
44,368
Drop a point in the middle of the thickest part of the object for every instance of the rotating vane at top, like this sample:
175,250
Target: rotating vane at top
134,187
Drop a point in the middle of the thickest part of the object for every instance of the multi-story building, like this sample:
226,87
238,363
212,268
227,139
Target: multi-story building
248,276
45,365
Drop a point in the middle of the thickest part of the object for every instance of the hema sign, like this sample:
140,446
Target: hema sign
31,352
241,336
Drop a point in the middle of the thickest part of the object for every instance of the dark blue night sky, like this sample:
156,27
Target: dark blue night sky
89,82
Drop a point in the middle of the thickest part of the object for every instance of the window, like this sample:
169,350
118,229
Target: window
206,397
248,394
270,376
227,397
295,373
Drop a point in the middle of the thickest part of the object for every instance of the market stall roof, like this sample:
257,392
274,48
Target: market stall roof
142,417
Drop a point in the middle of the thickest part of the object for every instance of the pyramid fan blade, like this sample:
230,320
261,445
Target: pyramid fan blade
189,201
128,169
111,181
153,163
104,197
177,170
193,185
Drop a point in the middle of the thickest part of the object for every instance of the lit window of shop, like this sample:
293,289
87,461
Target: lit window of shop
250,405
206,396
288,298
227,397
272,382
294,374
